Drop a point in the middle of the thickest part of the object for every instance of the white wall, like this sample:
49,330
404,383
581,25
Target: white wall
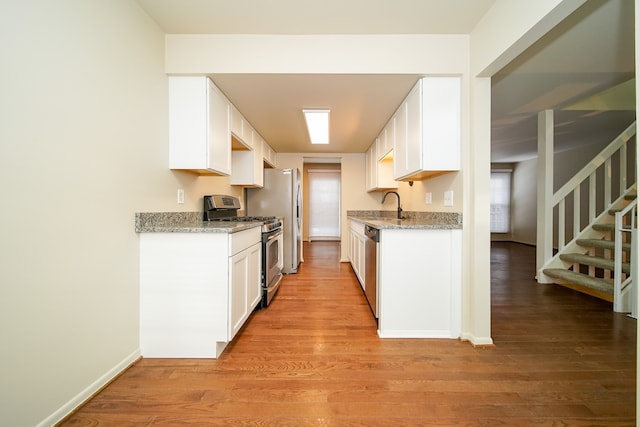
317,54
413,197
523,202
83,146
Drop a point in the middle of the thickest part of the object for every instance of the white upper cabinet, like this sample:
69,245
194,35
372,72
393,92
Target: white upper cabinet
379,165
237,121
386,138
241,128
247,164
208,134
198,126
268,155
371,166
427,130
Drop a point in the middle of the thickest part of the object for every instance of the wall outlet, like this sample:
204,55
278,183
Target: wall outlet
428,198
448,198
180,196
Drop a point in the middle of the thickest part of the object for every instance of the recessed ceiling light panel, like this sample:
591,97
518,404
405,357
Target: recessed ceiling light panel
317,125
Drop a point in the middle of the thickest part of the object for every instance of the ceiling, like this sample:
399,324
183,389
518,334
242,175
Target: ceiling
590,52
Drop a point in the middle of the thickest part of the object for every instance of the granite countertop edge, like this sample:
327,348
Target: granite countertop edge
185,222
412,220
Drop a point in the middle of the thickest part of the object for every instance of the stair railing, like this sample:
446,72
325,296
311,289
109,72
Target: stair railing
572,189
622,289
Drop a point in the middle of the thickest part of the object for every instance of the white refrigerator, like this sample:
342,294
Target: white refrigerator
281,196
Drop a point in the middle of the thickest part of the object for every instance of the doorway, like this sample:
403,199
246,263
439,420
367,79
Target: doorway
323,201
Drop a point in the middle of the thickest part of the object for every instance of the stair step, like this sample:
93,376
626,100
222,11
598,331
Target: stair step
604,227
631,196
606,264
613,211
602,244
568,276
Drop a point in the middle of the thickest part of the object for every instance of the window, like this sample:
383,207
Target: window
324,204
500,201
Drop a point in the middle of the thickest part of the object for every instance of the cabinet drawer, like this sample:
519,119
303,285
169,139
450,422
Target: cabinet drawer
357,227
243,239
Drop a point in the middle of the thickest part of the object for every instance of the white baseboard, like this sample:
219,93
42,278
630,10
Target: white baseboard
522,242
324,239
476,341
66,409
421,334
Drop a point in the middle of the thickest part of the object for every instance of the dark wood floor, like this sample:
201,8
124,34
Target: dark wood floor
313,359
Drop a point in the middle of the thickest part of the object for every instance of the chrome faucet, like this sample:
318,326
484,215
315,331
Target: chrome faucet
398,196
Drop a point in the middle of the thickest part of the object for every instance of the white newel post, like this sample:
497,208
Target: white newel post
544,239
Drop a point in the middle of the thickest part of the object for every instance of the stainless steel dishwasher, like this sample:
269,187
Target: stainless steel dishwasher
371,267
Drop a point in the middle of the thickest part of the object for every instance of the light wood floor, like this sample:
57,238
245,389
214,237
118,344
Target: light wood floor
312,358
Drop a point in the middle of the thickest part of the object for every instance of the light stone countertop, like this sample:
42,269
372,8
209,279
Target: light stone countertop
186,222
412,220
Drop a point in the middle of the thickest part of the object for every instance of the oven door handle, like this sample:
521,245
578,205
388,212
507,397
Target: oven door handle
274,235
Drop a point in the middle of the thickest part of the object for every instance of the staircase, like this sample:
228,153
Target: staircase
589,266
587,235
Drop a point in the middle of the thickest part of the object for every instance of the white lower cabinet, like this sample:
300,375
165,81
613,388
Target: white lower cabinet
245,295
420,283
196,291
357,241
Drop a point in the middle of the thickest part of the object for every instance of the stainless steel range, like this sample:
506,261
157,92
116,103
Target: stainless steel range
225,208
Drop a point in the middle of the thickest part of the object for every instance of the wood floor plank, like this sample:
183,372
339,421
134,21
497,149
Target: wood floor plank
313,358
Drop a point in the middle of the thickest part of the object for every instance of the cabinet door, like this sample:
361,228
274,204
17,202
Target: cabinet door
254,282
247,168
258,162
361,258
407,149
441,109
385,140
400,154
268,155
357,254
413,135
245,283
219,136
371,167
187,123
353,249
239,270
351,246
236,122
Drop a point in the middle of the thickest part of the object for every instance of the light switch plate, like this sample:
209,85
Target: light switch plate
180,196
448,198
428,198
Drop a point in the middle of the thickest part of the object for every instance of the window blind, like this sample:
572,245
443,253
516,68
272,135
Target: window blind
324,203
500,202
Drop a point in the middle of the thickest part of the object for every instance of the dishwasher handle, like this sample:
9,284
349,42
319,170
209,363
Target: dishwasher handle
372,233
